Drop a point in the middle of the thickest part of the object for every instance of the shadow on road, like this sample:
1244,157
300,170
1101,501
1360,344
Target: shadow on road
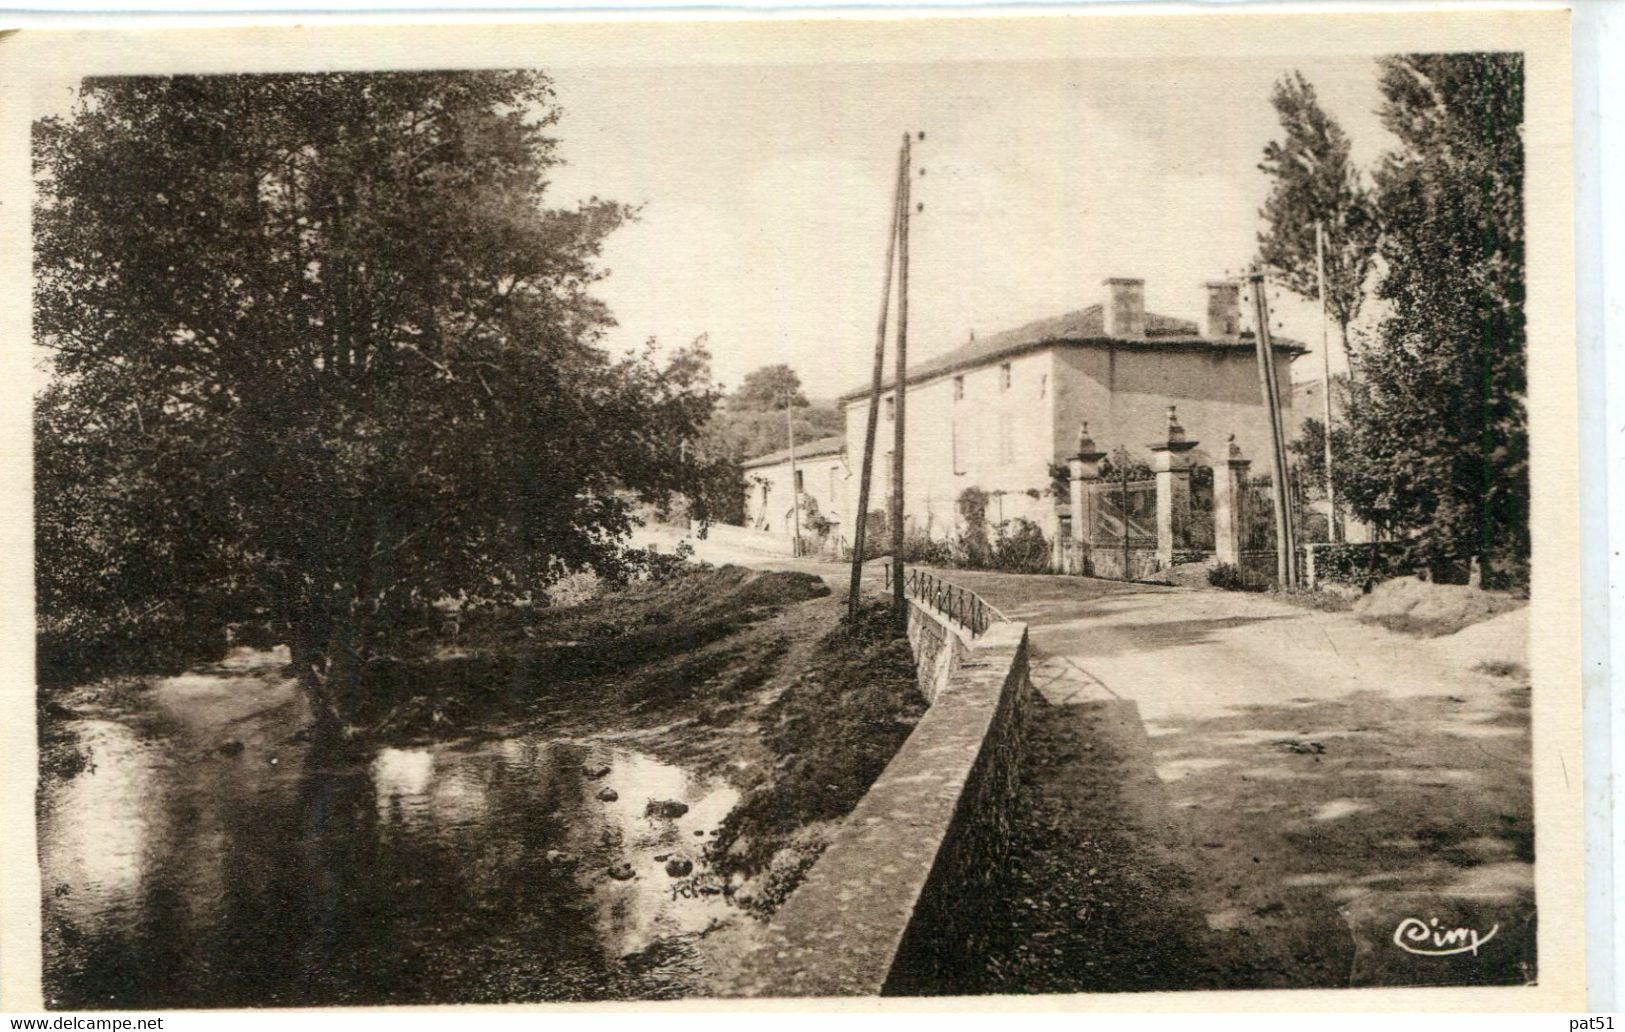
1093,900
1270,846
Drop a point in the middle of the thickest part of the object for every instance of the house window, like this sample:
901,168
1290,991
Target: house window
1004,376
1043,385
959,388
833,470
891,409
801,481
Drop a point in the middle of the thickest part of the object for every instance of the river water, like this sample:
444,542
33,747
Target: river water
208,856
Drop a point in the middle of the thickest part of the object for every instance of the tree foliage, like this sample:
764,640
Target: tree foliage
324,356
752,420
1438,429
770,388
1315,181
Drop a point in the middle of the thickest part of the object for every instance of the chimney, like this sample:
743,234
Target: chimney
1223,310
1125,308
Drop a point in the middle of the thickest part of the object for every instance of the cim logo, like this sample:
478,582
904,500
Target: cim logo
1428,939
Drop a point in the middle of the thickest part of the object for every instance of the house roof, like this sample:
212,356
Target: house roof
1086,326
811,450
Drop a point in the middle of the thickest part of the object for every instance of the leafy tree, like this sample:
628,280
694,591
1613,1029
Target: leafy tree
1438,427
323,357
1316,182
770,388
1307,453
751,421
746,433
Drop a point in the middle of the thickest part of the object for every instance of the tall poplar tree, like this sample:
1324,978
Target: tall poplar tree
1439,436
1316,181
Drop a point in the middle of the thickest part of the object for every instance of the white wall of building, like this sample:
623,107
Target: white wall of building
987,427
768,501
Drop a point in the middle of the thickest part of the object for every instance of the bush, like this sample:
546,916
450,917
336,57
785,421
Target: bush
1363,564
1229,577
920,547
85,647
1014,546
655,566
972,550
1020,547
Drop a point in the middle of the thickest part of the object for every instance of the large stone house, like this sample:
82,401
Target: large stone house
996,413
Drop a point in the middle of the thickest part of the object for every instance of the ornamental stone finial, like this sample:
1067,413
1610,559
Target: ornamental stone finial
1086,444
1176,432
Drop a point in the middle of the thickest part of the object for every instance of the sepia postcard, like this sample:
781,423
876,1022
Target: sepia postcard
1047,509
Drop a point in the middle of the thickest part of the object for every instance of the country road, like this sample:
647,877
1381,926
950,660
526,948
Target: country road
1260,788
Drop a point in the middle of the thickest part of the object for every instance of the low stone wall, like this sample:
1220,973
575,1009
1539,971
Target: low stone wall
881,912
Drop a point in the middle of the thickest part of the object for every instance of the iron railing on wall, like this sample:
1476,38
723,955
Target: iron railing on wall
961,605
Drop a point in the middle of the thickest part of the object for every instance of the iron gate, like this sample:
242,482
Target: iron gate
1123,529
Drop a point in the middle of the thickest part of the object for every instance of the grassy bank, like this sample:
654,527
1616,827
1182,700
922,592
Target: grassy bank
830,731
693,645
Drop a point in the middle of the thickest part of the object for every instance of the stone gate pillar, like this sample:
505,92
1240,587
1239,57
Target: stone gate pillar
1171,461
1229,482
1085,468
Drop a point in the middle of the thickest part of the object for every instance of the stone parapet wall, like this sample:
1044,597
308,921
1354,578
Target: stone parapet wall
882,910
947,936
939,647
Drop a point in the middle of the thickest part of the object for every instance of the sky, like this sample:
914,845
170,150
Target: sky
766,192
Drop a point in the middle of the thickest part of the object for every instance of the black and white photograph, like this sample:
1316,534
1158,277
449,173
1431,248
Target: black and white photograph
1016,507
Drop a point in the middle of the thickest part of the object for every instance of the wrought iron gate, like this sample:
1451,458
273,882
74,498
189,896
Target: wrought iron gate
1123,532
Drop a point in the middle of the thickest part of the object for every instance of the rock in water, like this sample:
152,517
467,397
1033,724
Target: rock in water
608,795
231,748
679,866
595,772
621,872
667,808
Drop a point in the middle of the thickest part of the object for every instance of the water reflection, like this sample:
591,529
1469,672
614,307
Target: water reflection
212,858
90,847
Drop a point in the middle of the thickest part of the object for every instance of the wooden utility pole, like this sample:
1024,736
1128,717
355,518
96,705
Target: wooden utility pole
1326,368
900,387
1286,552
795,487
859,525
